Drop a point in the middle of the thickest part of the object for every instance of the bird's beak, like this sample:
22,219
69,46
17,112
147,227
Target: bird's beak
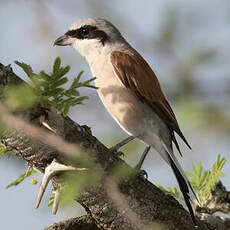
64,40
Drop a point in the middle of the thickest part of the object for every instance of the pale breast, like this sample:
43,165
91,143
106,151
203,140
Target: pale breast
120,102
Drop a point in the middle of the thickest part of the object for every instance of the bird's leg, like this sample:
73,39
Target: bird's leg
140,163
143,156
50,171
122,143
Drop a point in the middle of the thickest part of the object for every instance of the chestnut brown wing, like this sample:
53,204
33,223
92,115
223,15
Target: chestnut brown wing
135,73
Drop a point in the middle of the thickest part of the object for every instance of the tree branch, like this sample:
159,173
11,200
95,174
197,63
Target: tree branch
80,223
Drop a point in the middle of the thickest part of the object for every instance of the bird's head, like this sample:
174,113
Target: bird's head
92,35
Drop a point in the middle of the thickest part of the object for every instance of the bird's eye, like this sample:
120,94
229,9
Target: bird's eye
84,31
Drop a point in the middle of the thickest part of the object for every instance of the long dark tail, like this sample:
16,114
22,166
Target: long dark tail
184,187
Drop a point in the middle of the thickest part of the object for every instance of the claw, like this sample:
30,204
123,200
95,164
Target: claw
50,172
143,174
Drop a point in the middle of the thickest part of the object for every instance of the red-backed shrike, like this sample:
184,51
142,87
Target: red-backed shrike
129,89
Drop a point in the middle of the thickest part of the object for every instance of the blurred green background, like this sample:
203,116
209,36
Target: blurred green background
185,42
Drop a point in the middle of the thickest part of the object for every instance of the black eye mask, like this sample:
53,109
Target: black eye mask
88,32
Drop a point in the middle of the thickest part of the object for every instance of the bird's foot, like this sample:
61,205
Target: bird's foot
144,174
50,171
117,153
116,147
141,173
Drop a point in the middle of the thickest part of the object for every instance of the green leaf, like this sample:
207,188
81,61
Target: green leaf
60,82
59,106
51,201
44,76
88,81
75,83
91,86
203,178
36,80
21,178
34,181
78,100
27,68
172,191
72,92
194,168
66,110
57,64
75,93
68,93
3,150
62,72
57,91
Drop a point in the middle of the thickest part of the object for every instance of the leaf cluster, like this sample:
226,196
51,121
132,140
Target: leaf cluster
202,181
49,87
172,191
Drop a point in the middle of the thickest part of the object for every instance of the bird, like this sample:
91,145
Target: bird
130,91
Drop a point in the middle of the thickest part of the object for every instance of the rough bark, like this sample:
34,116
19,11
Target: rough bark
147,206
80,223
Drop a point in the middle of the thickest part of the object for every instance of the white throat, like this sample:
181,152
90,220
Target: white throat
89,48
92,49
